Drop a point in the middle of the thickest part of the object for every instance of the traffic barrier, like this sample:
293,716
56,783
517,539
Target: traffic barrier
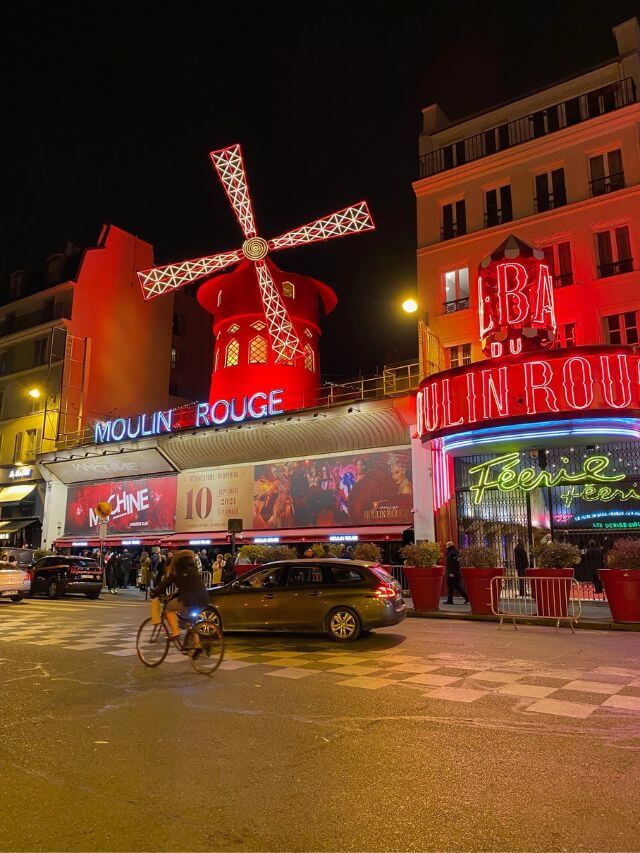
535,599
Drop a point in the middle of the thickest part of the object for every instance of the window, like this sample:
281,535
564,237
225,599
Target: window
232,357
459,355
258,325
568,335
621,328
558,256
258,350
454,220
497,206
40,347
309,359
308,333
219,302
174,358
233,328
6,361
346,576
265,579
216,359
288,289
613,251
550,190
307,575
26,444
456,290
606,172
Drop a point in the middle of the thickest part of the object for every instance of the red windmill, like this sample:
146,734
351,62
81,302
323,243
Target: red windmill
258,296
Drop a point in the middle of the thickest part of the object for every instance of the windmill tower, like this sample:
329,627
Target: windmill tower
266,322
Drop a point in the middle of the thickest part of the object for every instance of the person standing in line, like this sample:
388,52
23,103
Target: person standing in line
113,572
521,561
205,561
145,571
229,570
593,563
125,568
216,571
454,575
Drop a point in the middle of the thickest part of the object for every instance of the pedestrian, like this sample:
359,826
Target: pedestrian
521,560
242,559
308,554
216,571
113,572
145,571
204,559
229,570
454,575
593,563
125,568
349,553
326,551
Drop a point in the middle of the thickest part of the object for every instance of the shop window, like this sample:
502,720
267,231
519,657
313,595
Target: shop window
232,357
258,325
454,220
558,256
460,354
621,328
497,206
550,190
606,172
289,289
309,359
568,335
613,251
258,350
456,290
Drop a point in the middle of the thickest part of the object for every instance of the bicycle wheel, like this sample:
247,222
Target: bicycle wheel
207,642
152,643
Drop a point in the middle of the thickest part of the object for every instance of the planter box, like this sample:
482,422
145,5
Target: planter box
425,583
623,593
478,584
552,595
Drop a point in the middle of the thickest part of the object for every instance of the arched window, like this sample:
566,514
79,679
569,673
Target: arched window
232,357
308,333
233,328
258,350
258,325
309,359
288,289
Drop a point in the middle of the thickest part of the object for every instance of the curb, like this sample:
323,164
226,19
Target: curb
472,617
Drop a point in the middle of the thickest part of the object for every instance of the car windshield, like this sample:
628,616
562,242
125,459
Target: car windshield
84,563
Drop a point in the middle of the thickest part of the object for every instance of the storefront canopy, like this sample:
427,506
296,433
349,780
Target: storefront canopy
14,526
15,494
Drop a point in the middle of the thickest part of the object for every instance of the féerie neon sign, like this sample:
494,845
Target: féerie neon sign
500,473
219,413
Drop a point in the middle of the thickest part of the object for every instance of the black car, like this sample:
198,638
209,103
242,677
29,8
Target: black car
57,575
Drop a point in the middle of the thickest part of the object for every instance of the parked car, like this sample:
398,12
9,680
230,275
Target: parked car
341,598
58,575
15,582
24,556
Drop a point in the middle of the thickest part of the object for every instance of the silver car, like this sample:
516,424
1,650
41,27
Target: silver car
341,598
14,582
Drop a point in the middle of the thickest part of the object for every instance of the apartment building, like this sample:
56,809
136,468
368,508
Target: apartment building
560,169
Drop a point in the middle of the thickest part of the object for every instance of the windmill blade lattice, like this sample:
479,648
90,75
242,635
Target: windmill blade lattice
351,220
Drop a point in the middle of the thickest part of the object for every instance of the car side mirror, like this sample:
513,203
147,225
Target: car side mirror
235,585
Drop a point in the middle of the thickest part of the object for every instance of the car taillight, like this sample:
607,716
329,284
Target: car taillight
27,576
384,591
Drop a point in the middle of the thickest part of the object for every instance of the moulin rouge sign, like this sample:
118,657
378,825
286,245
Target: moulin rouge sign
524,376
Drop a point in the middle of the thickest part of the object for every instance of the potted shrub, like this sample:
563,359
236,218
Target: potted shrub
320,548
478,566
554,560
368,551
255,554
281,552
423,575
621,580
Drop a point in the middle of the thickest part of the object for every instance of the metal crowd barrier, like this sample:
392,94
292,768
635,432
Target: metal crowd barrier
206,578
533,599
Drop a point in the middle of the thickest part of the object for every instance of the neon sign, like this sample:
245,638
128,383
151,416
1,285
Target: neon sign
499,474
219,413
560,382
605,494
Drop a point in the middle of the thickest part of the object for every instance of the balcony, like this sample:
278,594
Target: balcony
607,184
448,232
456,305
564,279
576,110
497,217
47,314
615,268
551,201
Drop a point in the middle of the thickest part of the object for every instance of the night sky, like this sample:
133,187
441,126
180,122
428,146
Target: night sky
110,111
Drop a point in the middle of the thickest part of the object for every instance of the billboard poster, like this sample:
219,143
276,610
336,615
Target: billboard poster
335,491
209,497
143,505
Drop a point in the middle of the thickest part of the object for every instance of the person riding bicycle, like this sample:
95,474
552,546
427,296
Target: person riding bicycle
192,593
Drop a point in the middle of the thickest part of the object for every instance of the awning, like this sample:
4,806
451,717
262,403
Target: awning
92,541
14,526
15,494
375,533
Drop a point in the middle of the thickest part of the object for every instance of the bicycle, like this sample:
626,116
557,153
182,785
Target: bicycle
203,641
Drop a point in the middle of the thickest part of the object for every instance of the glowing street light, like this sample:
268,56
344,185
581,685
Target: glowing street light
410,306
34,393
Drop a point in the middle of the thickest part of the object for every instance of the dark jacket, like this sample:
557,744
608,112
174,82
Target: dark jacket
229,571
592,563
184,574
521,559
452,562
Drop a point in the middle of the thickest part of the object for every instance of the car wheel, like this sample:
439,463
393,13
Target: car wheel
343,625
16,598
92,595
54,590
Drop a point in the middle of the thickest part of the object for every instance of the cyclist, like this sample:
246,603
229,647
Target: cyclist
192,593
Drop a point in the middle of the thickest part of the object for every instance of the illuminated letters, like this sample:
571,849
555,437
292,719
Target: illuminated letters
202,414
544,308
584,383
622,382
261,411
497,395
512,300
531,386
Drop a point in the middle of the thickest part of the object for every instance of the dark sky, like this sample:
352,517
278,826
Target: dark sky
110,110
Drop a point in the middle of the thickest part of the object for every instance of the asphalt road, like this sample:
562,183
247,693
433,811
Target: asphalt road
434,735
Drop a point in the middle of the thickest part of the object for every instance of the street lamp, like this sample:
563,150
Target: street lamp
410,306
34,393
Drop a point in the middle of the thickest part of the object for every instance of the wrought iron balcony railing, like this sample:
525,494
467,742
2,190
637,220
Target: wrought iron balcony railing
549,202
607,184
456,305
615,268
564,279
541,123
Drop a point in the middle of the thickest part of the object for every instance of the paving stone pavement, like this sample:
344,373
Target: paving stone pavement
573,692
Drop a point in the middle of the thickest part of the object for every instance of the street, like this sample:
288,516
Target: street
432,735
